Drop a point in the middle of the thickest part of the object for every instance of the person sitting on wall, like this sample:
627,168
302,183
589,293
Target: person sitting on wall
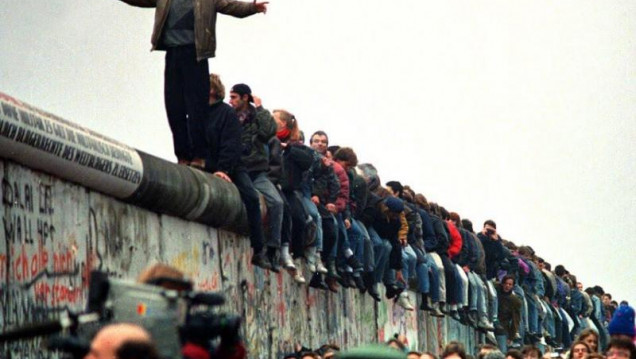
223,137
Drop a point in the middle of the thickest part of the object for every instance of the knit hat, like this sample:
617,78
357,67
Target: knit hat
622,322
243,89
394,204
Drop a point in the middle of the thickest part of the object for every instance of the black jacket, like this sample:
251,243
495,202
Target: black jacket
223,137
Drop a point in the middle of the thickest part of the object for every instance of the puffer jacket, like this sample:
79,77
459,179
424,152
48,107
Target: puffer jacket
204,21
258,129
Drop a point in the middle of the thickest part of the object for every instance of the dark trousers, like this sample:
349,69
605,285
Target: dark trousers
186,92
250,198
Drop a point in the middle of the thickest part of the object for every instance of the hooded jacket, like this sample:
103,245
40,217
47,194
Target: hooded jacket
204,21
258,128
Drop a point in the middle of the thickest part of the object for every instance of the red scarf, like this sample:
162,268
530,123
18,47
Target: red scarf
283,134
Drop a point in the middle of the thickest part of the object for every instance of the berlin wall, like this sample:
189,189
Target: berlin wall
55,231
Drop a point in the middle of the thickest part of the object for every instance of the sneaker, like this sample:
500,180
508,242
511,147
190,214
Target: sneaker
392,291
260,260
404,301
320,268
286,259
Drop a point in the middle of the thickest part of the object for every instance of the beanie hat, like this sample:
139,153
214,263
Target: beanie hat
394,204
622,322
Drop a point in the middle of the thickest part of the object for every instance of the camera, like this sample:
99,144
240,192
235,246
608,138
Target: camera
173,317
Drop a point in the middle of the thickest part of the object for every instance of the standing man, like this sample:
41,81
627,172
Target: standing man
186,30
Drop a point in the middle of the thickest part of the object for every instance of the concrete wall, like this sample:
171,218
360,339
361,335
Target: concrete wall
55,232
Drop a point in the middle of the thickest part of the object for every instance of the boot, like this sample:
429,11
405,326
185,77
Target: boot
286,258
359,283
332,284
392,291
331,269
260,260
318,282
297,273
354,263
320,268
424,305
484,324
404,301
372,288
272,256
436,312
310,256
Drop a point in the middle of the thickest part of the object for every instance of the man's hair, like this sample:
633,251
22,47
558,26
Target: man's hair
467,225
531,349
571,354
421,201
318,133
414,352
454,216
495,354
514,353
454,347
430,354
346,154
559,270
491,223
290,123
599,290
508,276
396,187
444,213
217,86
608,296
137,350
625,343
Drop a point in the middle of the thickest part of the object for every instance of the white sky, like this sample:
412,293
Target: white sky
519,111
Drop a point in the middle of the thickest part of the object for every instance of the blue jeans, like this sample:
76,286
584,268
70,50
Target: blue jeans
249,196
275,206
356,239
494,303
533,313
434,286
381,249
311,208
523,324
368,257
548,322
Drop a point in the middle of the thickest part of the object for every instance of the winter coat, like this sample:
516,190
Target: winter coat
297,160
204,21
223,139
428,233
456,240
258,129
443,241
325,183
494,254
468,255
343,194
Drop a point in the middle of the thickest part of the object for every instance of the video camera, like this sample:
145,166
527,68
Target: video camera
173,317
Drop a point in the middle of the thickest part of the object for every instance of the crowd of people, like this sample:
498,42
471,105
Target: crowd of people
351,230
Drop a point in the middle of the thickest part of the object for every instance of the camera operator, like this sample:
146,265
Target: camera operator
171,278
122,341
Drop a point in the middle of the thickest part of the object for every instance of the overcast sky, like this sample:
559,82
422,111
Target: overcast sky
519,111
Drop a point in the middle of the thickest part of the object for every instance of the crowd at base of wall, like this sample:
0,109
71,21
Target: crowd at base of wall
55,232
